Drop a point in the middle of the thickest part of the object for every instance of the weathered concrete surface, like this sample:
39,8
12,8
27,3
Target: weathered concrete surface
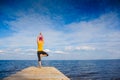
35,73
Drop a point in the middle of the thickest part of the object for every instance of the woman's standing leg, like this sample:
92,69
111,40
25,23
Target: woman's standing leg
39,59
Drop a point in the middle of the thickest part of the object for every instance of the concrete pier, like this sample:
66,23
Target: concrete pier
35,73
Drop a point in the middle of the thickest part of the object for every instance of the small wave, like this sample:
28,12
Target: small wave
115,79
88,74
92,73
85,74
7,71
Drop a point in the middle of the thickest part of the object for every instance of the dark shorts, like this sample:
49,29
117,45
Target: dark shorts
39,53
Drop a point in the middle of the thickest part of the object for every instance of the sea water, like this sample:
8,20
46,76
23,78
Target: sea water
74,69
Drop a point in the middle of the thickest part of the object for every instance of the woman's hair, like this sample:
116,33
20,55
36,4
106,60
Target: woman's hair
40,38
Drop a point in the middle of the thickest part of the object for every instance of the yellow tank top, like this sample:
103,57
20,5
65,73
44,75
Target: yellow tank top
40,45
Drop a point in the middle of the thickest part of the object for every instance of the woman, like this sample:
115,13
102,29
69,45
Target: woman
40,52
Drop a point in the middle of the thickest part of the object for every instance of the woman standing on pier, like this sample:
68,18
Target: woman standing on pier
40,52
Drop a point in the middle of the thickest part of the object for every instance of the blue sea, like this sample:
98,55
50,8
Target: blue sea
74,69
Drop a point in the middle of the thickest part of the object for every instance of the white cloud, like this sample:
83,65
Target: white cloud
69,48
59,52
85,48
1,51
27,27
47,50
98,34
55,51
31,50
17,50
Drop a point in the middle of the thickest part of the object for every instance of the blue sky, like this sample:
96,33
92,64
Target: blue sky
73,29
